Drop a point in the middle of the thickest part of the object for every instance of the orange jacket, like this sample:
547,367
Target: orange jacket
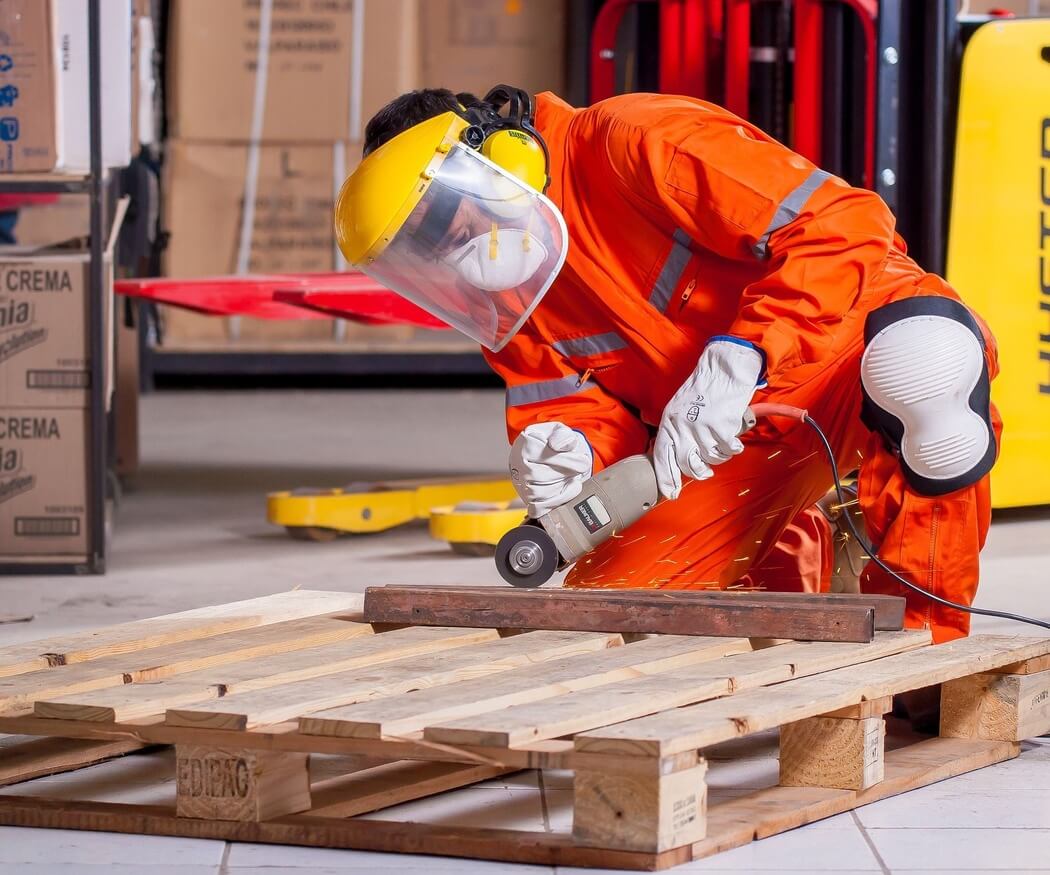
685,222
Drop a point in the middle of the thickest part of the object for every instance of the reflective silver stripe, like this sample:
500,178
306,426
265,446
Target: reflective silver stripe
671,272
593,345
789,209
547,390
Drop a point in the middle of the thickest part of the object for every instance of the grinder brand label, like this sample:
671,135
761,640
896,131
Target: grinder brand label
592,513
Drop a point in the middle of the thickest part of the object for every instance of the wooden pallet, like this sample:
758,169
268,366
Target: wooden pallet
245,693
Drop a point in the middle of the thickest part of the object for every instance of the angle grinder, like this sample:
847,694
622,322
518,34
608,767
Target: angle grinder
609,502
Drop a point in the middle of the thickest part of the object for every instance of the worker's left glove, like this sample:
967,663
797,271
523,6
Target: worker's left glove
549,463
701,422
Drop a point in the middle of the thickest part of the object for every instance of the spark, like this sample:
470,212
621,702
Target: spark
614,535
742,559
745,492
671,538
803,459
635,541
845,504
671,561
774,455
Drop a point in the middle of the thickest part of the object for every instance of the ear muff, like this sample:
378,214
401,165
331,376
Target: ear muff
519,154
510,141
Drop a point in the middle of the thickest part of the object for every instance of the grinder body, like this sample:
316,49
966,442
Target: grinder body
609,502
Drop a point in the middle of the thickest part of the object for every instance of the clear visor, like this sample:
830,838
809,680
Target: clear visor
479,250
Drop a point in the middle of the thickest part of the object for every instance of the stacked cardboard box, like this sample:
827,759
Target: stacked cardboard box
267,102
471,45
44,115
267,99
45,386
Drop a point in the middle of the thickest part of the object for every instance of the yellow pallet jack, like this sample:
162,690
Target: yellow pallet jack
473,528
325,514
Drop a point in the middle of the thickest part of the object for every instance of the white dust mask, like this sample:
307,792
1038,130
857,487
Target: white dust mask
499,260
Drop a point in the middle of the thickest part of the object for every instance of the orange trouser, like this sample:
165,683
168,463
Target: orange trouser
754,524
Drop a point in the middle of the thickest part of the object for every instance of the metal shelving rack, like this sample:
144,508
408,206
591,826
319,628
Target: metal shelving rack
94,185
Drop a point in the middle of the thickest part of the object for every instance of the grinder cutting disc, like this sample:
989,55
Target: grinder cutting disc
526,556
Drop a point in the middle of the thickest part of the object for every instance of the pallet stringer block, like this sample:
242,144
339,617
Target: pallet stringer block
654,812
841,750
245,785
998,707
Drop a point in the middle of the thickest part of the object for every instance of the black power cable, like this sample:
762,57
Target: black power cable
984,612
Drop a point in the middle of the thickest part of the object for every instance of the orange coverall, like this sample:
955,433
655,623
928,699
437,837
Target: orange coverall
687,222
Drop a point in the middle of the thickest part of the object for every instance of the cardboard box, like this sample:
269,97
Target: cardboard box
43,483
44,106
44,321
46,224
322,68
70,23
290,224
289,215
472,45
28,136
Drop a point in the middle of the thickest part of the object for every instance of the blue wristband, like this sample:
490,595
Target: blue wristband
739,341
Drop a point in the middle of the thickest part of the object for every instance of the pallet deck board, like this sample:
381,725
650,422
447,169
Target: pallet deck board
713,722
419,708
733,616
52,756
774,810
134,701
152,664
391,784
286,702
482,843
637,697
172,628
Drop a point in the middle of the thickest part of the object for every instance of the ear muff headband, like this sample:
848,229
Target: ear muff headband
498,137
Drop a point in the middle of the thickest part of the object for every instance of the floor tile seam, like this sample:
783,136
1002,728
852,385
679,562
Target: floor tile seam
869,842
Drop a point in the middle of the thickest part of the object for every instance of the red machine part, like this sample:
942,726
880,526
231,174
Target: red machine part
809,85
379,307
689,34
696,34
283,296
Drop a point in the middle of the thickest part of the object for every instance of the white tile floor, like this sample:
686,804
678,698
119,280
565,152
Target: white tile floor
192,533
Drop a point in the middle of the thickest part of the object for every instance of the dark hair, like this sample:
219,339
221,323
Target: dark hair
412,108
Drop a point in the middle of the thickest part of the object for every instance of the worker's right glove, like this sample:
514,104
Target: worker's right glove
549,463
701,422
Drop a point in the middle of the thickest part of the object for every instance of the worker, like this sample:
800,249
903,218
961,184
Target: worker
639,272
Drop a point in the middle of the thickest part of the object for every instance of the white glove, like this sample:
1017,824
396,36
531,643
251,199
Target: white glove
701,422
549,463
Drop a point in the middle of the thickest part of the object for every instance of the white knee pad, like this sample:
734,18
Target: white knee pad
926,388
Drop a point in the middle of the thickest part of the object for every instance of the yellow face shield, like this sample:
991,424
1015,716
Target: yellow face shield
470,244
